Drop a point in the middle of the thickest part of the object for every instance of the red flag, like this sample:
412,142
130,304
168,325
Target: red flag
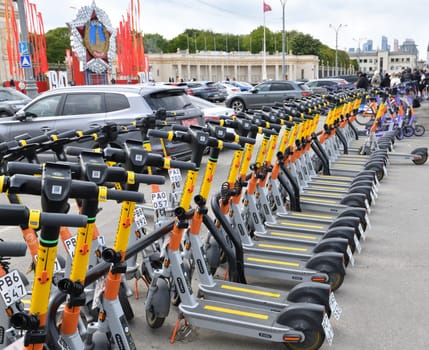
267,7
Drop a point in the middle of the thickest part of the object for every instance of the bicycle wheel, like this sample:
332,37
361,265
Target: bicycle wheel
408,131
364,120
419,130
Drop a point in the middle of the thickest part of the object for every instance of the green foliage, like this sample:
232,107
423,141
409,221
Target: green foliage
195,40
57,41
155,43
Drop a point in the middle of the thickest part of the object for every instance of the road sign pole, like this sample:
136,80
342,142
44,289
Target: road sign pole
30,83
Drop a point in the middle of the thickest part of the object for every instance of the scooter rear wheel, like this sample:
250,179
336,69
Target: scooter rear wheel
314,335
424,158
419,130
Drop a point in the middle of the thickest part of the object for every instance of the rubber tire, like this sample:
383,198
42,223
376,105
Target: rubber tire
125,303
238,105
314,335
336,279
419,130
312,300
408,131
399,134
153,321
423,160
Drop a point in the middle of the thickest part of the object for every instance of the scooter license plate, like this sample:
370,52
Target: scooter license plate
361,231
350,255
357,244
12,288
327,328
175,175
139,218
335,307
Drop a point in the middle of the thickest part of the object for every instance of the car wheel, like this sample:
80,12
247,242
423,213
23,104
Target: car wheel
238,105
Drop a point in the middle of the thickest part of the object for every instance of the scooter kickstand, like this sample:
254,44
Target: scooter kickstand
180,331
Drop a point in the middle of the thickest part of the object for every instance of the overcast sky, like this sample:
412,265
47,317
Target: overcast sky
364,19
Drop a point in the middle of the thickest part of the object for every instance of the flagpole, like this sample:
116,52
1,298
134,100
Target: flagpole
264,64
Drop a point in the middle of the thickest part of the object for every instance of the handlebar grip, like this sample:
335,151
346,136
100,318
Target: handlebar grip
268,131
182,165
58,219
158,133
39,139
229,145
125,196
12,249
23,168
250,140
150,179
180,127
13,214
76,151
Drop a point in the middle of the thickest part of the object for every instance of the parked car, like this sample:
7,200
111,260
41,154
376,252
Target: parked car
211,111
265,94
313,90
83,107
205,89
242,85
328,83
11,101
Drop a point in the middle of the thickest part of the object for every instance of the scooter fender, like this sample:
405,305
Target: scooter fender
363,190
338,245
311,313
354,200
311,292
160,299
327,262
342,232
345,221
354,212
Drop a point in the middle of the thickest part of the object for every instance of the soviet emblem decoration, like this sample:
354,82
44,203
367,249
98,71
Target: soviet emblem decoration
93,39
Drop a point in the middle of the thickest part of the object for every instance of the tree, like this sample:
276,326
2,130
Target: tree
304,44
155,43
57,41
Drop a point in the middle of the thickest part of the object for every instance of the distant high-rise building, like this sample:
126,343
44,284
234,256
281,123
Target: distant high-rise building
395,45
409,46
384,44
367,46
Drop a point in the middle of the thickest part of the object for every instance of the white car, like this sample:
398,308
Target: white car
211,111
230,89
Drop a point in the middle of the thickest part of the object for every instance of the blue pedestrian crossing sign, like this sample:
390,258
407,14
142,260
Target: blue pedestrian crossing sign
23,48
25,61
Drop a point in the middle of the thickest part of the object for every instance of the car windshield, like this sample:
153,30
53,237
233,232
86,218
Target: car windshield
12,95
169,100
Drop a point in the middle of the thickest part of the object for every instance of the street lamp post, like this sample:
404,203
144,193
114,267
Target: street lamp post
336,29
283,2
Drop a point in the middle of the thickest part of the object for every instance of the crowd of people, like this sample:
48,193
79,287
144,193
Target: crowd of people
418,79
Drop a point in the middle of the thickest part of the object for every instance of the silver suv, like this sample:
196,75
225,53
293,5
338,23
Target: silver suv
83,107
267,93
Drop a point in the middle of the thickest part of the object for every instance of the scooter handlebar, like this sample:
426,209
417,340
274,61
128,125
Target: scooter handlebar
17,214
130,196
12,249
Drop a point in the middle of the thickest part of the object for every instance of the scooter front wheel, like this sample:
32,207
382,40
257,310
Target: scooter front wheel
314,335
152,320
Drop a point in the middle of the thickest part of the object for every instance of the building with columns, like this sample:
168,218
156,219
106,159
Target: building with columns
219,65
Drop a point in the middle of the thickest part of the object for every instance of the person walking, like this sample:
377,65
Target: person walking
376,79
362,82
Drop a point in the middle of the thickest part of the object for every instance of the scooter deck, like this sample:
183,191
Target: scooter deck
299,225
289,249
243,294
290,269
